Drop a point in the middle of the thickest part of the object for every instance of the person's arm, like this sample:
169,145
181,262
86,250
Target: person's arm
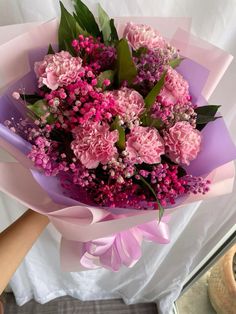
15,242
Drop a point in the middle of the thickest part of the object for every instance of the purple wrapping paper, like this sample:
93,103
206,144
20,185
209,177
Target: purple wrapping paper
52,186
196,75
217,148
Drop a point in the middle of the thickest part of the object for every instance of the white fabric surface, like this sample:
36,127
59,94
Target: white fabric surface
195,230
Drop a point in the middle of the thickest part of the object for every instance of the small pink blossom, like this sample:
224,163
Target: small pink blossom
129,104
16,95
175,90
94,143
144,144
140,35
182,142
106,82
58,69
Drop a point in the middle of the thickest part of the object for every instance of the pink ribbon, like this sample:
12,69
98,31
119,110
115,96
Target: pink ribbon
123,248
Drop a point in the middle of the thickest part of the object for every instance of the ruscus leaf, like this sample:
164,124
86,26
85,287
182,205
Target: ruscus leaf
147,120
86,19
140,51
114,34
30,98
108,74
201,119
161,209
206,114
152,95
116,126
174,63
104,22
126,69
50,50
209,110
39,109
67,30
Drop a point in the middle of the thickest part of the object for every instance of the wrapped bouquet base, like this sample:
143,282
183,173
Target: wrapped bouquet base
90,239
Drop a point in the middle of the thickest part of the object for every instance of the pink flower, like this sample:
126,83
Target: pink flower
129,104
140,35
175,90
16,95
144,144
182,142
94,143
58,69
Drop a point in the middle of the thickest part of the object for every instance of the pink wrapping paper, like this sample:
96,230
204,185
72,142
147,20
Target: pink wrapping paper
14,63
211,57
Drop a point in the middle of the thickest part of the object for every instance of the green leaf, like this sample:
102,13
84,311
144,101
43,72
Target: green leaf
30,98
152,95
206,114
104,22
126,69
174,63
51,119
109,74
114,34
209,110
147,120
140,51
181,172
39,109
149,100
116,126
86,19
201,119
79,29
161,209
50,50
67,30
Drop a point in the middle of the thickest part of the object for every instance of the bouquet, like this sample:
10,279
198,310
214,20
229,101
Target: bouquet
116,129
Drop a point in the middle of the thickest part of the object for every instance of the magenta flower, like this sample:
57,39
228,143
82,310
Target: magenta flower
129,104
175,90
93,144
140,35
182,142
144,144
57,70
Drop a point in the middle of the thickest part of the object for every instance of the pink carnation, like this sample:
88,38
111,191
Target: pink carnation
140,35
129,104
175,90
182,142
94,143
58,69
144,144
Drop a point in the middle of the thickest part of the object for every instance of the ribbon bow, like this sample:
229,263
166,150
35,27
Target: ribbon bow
123,248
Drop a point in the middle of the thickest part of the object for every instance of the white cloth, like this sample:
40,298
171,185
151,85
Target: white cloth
195,230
